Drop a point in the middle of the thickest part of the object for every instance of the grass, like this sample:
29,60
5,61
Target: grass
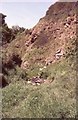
56,99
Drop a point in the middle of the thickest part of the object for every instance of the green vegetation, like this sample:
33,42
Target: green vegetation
8,34
47,100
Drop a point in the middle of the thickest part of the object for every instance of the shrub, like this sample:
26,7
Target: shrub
44,75
21,74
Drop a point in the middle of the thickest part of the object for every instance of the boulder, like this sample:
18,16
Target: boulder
24,64
69,20
37,80
59,54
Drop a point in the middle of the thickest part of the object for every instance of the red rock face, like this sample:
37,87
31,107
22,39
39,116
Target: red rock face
54,31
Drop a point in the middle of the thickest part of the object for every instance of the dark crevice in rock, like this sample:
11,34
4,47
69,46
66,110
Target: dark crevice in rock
3,81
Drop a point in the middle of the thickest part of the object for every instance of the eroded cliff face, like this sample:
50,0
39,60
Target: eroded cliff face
55,31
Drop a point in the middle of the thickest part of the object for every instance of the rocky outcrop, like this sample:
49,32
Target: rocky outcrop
2,19
54,31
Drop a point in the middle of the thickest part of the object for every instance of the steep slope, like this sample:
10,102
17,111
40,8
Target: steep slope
50,34
46,52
